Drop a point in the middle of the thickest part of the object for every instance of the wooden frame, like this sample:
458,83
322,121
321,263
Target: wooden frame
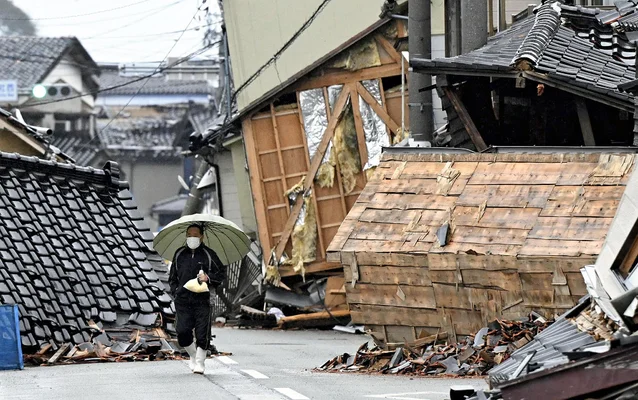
273,171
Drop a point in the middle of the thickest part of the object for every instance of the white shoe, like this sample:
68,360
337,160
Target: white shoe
192,353
200,358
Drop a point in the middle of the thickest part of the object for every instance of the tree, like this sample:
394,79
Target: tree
14,21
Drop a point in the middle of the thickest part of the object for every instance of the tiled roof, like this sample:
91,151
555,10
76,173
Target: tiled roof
28,59
74,247
156,85
556,53
150,131
77,147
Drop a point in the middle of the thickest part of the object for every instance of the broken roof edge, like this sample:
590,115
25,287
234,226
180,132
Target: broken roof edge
546,24
554,153
109,175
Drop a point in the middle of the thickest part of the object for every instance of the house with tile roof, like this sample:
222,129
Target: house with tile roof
74,248
62,68
551,79
145,124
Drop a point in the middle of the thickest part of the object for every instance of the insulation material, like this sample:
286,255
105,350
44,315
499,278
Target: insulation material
347,150
374,128
363,55
315,120
304,234
401,135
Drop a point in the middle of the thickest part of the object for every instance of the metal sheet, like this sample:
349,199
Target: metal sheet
374,128
315,119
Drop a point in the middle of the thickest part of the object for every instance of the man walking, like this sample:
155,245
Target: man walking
193,309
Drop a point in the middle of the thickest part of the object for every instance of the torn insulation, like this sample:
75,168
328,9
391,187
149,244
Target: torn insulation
347,151
363,55
304,234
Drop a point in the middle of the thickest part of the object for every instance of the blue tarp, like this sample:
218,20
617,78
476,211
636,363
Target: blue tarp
10,342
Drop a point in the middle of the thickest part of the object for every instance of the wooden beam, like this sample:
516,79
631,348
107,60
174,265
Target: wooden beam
389,48
385,117
475,135
344,207
280,158
585,122
343,77
312,172
256,184
287,270
361,135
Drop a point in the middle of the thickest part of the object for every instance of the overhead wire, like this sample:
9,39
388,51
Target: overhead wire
147,79
286,45
75,16
132,81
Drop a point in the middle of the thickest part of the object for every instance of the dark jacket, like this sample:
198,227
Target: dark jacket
186,265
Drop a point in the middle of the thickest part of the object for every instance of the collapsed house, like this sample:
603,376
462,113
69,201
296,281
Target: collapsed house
593,344
449,242
74,249
550,80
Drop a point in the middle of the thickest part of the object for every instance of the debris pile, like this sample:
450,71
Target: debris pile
111,345
441,354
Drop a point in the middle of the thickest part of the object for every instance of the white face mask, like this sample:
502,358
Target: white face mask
193,242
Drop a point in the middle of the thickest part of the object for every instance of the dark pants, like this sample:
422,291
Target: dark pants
193,315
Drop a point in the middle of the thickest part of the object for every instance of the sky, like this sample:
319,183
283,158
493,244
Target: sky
123,31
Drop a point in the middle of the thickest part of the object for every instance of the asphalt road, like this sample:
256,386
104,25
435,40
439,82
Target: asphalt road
264,365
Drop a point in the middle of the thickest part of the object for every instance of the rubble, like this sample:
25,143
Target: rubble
439,355
112,345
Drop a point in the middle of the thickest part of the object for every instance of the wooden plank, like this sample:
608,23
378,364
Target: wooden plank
358,125
392,315
279,156
465,322
587,192
318,266
386,275
568,248
574,228
492,262
314,167
389,48
539,298
433,170
471,129
415,296
411,202
517,196
472,248
392,259
502,280
372,102
542,281
378,231
345,77
580,207
516,173
337,166
256,184
402,217
488,236
381,246
503,218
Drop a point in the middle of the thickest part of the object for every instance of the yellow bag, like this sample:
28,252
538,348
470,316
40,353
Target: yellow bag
194,286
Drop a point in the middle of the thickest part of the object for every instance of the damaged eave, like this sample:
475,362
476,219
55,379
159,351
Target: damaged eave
612,99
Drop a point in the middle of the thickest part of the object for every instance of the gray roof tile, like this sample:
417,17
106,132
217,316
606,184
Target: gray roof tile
59,280
158,84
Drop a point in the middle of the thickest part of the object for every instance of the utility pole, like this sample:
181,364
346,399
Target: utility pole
420,46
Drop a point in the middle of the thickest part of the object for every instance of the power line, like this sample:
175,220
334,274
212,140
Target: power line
286,45
154,72
157,11
75,16
148,12
157,71
147,35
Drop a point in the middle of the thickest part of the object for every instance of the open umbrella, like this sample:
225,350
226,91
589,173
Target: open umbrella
225,238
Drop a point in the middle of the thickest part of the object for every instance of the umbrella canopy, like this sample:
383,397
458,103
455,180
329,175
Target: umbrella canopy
225,238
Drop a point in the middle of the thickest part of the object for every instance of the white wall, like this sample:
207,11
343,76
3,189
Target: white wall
230,198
